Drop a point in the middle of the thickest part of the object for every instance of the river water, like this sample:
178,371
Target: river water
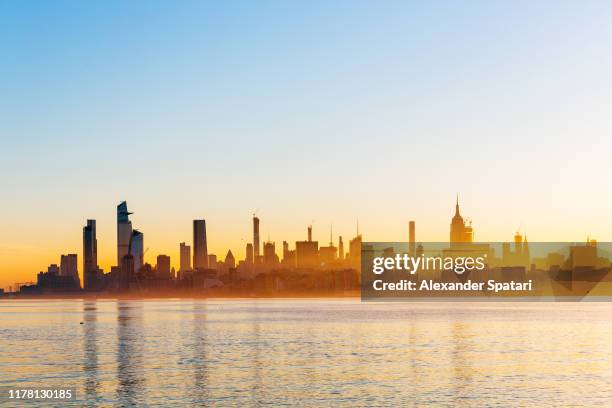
309,352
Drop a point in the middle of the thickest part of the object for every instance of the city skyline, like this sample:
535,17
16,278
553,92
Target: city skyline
129,240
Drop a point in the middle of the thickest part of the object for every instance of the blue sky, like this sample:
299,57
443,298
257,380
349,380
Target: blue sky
304,111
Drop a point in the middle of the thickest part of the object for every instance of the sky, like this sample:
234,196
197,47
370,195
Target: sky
303,112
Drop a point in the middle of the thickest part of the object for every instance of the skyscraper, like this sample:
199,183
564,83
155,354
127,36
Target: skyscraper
256,236
307,252
355,252
200,249
289,256
411,239
212,261
460,231
328,254
269,254
185,257
163,266
249,254
126,272
137,249
340,248
230,261
90,255
124,231
68,267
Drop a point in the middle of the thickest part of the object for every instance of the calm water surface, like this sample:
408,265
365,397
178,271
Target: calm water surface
309,352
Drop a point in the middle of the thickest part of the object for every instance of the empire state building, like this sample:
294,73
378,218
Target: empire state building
460,231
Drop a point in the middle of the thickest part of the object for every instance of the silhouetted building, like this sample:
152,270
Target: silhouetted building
340,248
127,272
249,254
53,269
185,257
137,249
327,255
147,271
200,249
269,254
355,252
307,254
411,239
163,266
289,259
288,256
212,261
520,255
124,231
68,267
53,281
255,237
460,231
230,261
583,256
90,256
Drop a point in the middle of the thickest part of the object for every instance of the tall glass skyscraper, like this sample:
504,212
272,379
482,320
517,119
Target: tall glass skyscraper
90,255
137,249
200,249
124,231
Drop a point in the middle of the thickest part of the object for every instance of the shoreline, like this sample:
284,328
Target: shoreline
111,296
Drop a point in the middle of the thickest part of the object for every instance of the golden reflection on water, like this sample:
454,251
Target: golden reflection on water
90,355
130,354
309,352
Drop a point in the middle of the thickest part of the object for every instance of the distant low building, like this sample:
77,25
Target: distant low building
53,281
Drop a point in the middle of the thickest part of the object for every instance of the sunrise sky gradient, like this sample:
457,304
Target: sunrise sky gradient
319,112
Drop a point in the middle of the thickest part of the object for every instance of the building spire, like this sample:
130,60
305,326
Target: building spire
457,206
